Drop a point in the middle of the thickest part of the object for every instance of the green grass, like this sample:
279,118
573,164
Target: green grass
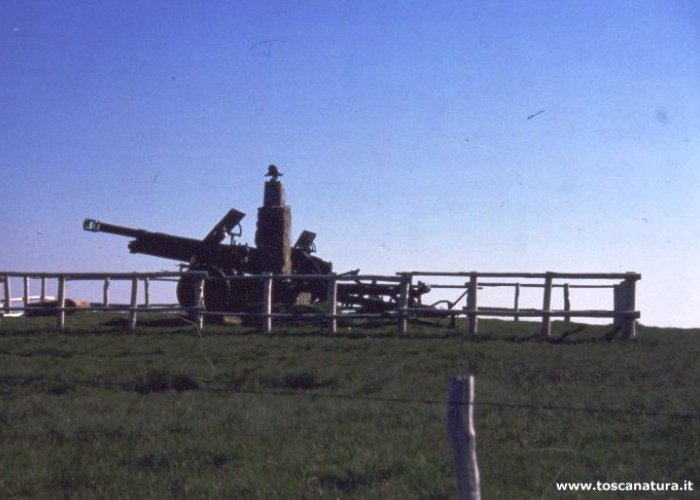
162,413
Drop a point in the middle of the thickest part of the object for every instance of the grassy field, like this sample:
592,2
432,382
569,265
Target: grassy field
164,413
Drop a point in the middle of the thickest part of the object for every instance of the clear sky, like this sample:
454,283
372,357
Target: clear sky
401,127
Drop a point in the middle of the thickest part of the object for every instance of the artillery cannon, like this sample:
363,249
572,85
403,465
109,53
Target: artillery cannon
272,254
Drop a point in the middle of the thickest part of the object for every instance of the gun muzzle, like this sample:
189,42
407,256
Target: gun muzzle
91,225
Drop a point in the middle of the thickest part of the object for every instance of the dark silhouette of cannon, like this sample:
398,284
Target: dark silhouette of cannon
272,253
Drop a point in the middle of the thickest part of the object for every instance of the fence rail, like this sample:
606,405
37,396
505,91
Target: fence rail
624,313
61,305
623,285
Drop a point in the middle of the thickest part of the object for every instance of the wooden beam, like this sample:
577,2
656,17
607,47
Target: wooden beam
405,289
473,319
7,304
25,293
629,329
332,304
546,329
133,306
61,304
267,304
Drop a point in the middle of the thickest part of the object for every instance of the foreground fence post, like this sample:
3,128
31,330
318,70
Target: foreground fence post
460,430
332,304
61,304
42,297
516,303
546,329
267,303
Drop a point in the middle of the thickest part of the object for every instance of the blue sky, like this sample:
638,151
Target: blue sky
402,129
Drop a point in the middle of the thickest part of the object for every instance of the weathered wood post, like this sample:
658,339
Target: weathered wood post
42,296
4,299
267,303
8,297
146,292
473,320
629,329
460,430
516,303
618,305
133,306
105,292
199,294
404,291
567,303
332,304
25,294
61,304
546,329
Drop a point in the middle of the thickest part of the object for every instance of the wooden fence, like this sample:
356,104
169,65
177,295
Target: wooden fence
623,313
61,305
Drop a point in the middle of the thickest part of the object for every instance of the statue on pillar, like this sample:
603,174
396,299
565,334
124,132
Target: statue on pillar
274,226
273,172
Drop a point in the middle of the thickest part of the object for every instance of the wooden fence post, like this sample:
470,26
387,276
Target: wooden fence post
463,436
61,304
199,294
567,303
471,304
105,292
42,297
617,305
25,294
8,297
332,304
516,303
546,330
404,291
629,329
267,303
146,292
134,303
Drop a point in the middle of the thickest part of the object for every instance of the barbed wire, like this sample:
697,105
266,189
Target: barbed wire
201,346
489,404
506,405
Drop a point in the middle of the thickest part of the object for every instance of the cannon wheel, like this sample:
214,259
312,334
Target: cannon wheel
217,291
306,264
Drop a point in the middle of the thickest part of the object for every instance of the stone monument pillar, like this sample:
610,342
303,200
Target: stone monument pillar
273,228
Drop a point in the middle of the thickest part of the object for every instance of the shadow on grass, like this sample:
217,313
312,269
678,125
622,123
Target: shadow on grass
159,381
490,330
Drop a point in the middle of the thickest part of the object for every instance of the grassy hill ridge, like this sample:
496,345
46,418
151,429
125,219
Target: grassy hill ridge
164,413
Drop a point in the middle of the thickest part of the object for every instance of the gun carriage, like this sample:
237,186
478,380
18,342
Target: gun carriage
272,253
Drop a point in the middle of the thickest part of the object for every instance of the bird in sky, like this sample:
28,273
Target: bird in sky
535,114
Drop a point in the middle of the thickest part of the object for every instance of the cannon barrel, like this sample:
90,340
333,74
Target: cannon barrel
147,242
96,226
